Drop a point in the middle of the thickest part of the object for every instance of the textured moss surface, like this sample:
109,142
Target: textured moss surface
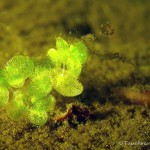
30,27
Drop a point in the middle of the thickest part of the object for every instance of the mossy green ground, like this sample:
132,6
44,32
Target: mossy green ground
30,28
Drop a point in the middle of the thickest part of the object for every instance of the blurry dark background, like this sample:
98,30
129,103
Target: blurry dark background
30,26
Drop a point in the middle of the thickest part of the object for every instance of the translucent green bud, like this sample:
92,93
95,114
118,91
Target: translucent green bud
55,57
17,108
18,69
61,53
40,85
67,60
61,44
38,117
79,52
67,85
68,57
47,104
4,96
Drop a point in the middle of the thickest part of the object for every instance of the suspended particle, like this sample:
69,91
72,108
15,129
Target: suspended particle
106,29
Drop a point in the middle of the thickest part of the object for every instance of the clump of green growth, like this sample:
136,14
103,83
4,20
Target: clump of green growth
67,61
26,83
18,69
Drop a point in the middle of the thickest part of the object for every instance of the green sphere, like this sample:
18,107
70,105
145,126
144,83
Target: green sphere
18,69
40,85
66,84
47,104
38,117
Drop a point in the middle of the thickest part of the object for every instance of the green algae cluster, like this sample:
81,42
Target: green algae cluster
29,27
29,82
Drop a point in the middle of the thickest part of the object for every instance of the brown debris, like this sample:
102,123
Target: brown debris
82,114
106,29
133,95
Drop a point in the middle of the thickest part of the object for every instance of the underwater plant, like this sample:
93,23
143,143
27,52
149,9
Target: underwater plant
26,83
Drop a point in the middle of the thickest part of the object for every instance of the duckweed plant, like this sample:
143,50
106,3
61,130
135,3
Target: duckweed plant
26,83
